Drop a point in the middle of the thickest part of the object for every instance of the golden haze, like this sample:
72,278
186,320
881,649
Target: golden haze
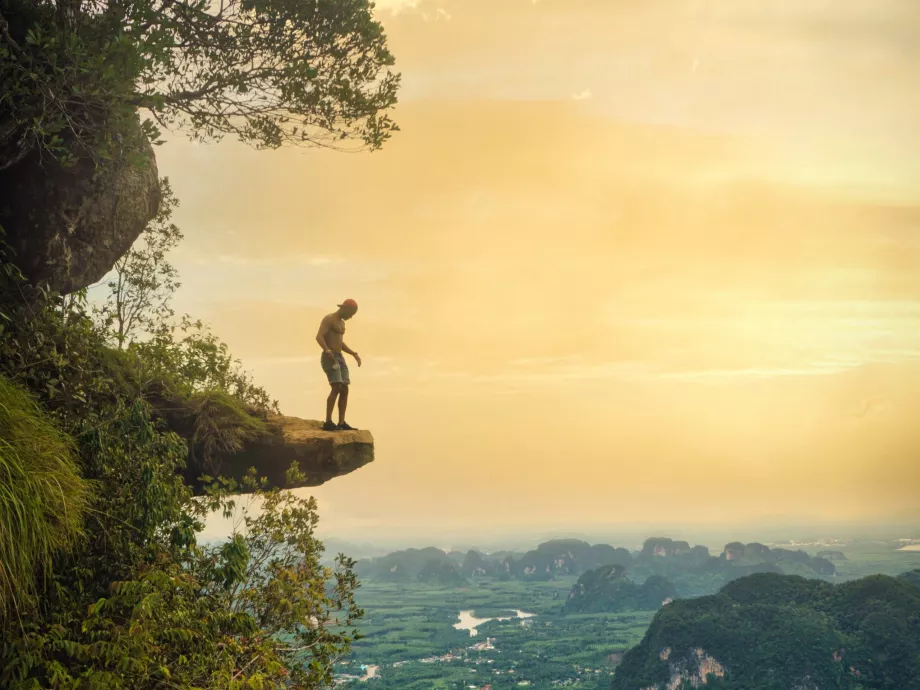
626,262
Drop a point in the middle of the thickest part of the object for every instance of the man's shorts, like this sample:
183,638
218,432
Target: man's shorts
335,375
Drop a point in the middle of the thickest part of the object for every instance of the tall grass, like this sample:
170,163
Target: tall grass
221,427
42,496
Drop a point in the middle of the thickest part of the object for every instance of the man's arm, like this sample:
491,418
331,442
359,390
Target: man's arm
354,354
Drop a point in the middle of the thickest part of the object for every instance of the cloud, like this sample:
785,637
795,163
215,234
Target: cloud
439,14
397,6
583,95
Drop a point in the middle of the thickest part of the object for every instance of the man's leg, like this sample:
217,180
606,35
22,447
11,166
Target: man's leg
343,403
330,401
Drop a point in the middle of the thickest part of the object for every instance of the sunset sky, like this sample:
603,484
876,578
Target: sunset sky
626,263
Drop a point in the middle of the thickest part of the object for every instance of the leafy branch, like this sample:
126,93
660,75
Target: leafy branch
269,72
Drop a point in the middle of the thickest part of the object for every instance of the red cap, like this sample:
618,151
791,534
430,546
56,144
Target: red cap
350,303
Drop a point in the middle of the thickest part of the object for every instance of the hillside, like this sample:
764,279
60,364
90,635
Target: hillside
608,590
404,566
775,632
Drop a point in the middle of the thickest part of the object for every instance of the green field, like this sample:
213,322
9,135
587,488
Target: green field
406,624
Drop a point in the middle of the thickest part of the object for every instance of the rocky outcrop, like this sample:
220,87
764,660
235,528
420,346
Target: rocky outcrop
695,670
320,455
662,547
68,225
734,551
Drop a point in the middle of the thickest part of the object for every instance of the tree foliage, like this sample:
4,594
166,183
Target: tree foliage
269,72
137,602
185,358
143,280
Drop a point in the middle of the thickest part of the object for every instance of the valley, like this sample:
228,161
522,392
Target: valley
417,635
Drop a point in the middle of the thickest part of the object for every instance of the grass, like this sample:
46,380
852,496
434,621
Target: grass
214,423
42,495
221,426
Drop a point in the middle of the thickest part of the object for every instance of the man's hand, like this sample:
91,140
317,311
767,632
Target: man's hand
331,355
357,358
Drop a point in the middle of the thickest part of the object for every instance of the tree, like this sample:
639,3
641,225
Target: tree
144,281
269,72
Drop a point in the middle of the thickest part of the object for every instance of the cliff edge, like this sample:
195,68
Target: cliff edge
320,455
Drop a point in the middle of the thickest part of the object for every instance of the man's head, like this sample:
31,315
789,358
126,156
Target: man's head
348,308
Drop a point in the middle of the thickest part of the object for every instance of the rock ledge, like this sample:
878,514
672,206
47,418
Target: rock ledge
321,455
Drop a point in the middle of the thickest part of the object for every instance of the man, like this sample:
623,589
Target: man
331,337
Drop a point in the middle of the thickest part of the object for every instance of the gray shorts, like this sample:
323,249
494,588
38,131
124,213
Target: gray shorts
335,374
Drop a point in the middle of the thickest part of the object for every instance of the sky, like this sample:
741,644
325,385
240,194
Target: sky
625,264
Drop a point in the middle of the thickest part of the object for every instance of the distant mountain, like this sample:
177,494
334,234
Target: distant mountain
401,566
832,555
790,561
608,590
691,569
658,547
560,557
549,560
476,564
335,546
441,574
456,557
695,572
782,632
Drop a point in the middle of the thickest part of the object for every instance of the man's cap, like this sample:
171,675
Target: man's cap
350,303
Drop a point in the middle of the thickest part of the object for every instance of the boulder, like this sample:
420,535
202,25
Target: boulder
68,225
320,455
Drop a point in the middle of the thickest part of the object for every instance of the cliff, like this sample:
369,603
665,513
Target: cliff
320,455
69,224
779,632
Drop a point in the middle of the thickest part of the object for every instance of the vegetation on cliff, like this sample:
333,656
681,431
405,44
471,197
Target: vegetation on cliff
105,410
99,523
43,498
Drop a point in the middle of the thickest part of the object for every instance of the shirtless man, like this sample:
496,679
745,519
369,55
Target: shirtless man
331,337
